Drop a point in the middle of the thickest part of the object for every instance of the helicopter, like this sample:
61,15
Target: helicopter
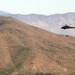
67,27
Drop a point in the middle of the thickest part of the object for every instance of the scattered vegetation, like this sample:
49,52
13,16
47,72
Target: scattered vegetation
73,73
45,74
25,46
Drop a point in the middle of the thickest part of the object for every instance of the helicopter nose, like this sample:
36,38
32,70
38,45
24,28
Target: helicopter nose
61,27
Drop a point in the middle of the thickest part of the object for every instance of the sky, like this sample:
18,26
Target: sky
46,7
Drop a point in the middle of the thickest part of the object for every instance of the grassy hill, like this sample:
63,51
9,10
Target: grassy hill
28,50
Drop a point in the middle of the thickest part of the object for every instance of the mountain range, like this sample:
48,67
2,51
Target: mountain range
28,50
51,23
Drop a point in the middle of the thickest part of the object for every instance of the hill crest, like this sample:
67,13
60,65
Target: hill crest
29,50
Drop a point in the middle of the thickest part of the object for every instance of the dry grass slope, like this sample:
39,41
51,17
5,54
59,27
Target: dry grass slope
27,50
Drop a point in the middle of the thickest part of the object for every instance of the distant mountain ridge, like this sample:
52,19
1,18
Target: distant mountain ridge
4,13
52,23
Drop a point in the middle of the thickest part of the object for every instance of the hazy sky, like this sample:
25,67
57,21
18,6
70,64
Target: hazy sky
46,7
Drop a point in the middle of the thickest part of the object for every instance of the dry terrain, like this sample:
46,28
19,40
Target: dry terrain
28,50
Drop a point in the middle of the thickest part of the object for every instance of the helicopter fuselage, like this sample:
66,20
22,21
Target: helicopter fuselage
67,27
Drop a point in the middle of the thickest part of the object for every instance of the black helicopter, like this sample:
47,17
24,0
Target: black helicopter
67,27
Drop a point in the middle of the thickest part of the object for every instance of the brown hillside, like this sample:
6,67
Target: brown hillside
26,50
